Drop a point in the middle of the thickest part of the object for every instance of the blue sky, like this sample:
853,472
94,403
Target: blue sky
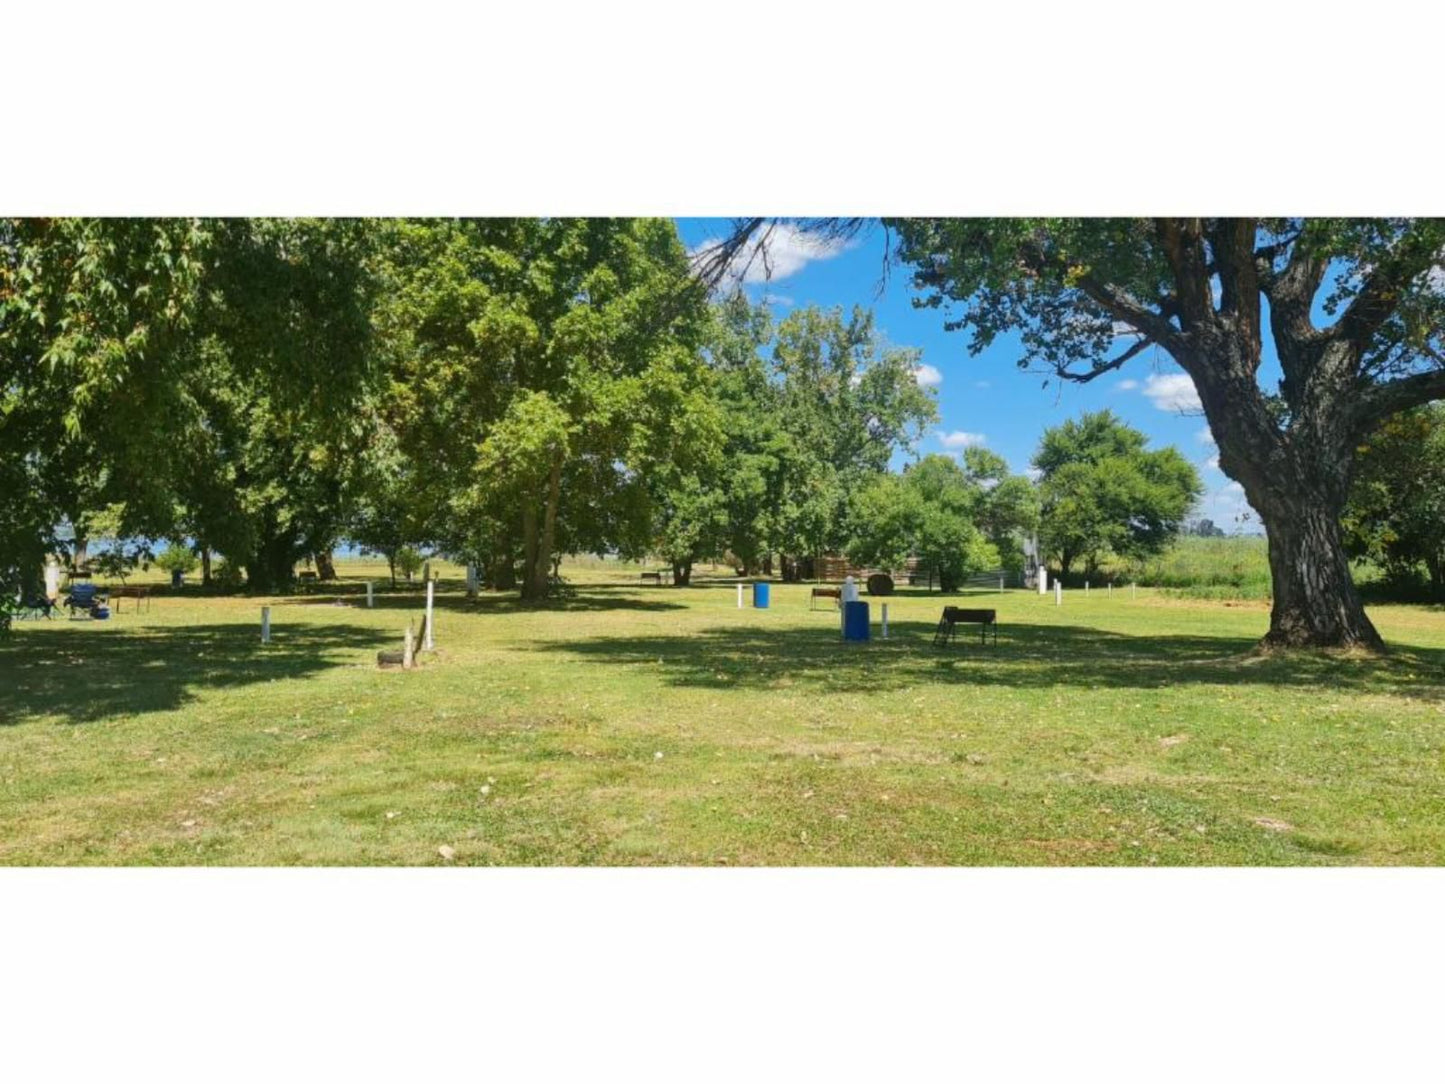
987,399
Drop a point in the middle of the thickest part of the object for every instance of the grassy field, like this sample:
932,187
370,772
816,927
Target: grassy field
646,725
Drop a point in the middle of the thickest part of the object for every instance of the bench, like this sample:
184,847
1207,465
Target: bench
953,616
658,578
137,592
835,593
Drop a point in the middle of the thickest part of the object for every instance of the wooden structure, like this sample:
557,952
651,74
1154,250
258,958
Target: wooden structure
834,593
953,616
140,592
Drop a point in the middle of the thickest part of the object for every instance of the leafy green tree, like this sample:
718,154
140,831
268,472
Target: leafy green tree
1396,514
91,313
926,512
282,366
1102,491
1006,507
556,363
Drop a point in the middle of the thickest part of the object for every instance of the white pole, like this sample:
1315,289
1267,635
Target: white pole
370,604
885,621
471,580
265,624
1058,593
740,596
1111,590
1000,583
1043,580
430,644
1086,588
1131,589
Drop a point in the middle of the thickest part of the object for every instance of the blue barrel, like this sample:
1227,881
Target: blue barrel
855,621
760,595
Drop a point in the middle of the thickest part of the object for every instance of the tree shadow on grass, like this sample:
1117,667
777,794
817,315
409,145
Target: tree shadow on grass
83,674
1025,657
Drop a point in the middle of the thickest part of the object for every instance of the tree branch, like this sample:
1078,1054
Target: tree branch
1382,400
1384,287
1108,366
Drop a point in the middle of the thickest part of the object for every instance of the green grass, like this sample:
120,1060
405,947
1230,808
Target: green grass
1107,731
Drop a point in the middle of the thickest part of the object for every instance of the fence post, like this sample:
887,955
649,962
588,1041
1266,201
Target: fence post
1043,580
1000,582
430,644
740,596
1058,593
885,621
1131,589
369,602
1086,588
265,624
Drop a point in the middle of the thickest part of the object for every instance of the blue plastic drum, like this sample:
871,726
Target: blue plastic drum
855,621
760,595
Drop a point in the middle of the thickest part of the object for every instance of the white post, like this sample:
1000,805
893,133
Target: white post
1131,589
370,603
1111,590
1000,583
740,596
265,624
430,644
471,580
1043,580
1058,593
1086,588
426,571
885,621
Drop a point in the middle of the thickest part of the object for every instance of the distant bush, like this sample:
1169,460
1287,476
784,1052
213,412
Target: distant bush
177,558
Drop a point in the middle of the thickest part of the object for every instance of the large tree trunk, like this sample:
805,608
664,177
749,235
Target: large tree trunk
205,566
1297,477
1315,601
325,565
682,572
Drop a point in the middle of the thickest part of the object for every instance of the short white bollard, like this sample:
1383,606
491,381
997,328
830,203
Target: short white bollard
430,643
1086,588
265,624
471,580
1058,593
885,621
1131,589
1043,580
1111,590
1000,583
370,602
740,596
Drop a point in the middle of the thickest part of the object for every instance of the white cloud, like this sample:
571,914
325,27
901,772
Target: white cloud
776,299
1033,474
927,375
1204,436
958,439
1212,462
1128,385
1172,392
785,251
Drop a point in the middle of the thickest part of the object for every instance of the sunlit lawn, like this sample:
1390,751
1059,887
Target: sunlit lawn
630,724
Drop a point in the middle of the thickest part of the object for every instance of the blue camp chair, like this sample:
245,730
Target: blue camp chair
84,597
